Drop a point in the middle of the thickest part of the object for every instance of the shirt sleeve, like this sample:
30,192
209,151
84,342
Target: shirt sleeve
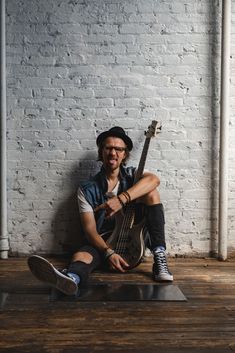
83,204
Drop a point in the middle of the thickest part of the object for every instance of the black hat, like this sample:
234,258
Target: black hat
115,131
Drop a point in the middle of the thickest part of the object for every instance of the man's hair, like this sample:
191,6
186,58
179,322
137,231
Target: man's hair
100,149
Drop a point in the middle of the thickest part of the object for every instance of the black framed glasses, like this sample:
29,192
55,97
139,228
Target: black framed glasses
116,148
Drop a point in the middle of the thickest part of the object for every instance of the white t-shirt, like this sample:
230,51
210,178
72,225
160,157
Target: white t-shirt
84,205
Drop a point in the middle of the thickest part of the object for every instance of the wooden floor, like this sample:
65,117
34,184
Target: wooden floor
205,323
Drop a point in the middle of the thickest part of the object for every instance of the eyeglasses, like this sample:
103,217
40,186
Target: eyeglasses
116,148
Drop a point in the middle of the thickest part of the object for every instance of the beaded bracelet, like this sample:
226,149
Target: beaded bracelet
120,200
127,196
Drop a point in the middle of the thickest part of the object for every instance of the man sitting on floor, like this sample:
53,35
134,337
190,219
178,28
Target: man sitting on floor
99,199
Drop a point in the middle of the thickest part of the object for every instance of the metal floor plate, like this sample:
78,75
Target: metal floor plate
124,292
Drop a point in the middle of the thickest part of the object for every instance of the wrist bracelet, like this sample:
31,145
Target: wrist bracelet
121,202
108,253
127,196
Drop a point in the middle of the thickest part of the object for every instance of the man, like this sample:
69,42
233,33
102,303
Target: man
99,199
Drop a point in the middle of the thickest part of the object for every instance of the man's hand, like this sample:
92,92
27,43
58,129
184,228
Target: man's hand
111,206
116,262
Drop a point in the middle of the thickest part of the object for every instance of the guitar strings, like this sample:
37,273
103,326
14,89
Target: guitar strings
121,239
123,236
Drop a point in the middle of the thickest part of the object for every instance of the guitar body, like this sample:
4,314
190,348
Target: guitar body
131,244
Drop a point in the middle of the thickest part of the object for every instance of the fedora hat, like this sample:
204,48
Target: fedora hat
115,131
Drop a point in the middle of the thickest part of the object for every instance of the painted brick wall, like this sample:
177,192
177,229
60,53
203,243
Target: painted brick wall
77,67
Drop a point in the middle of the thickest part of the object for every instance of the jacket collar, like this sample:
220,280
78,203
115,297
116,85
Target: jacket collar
103,178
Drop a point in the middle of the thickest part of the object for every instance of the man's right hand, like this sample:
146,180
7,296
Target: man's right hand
116,262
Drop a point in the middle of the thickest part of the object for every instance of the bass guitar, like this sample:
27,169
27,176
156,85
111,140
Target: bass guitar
127,238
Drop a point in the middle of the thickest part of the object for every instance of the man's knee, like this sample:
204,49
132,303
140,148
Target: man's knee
82,256
151,198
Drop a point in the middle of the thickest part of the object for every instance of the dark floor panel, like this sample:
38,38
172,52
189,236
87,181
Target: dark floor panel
93,293
125,292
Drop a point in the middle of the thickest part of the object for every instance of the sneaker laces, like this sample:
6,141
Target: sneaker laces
160,260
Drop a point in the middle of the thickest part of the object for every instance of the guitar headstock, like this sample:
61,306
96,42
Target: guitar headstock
153,129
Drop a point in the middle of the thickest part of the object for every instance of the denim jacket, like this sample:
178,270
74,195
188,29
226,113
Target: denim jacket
95,191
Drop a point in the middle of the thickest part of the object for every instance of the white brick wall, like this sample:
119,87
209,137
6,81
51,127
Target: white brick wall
75,68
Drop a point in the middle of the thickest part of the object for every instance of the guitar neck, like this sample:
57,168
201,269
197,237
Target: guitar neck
142,161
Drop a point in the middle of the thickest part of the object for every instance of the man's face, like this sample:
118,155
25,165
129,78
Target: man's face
113,153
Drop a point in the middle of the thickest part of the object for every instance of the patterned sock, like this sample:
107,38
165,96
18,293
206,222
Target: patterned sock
75,277
158,249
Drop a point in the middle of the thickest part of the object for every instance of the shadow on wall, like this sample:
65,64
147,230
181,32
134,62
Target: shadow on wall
66,225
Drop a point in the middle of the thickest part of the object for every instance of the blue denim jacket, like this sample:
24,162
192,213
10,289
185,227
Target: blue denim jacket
95,191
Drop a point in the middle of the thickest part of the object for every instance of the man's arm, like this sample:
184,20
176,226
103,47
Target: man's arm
89,227
146,184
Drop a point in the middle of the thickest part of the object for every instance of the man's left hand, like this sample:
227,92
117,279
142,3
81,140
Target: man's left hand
111,206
